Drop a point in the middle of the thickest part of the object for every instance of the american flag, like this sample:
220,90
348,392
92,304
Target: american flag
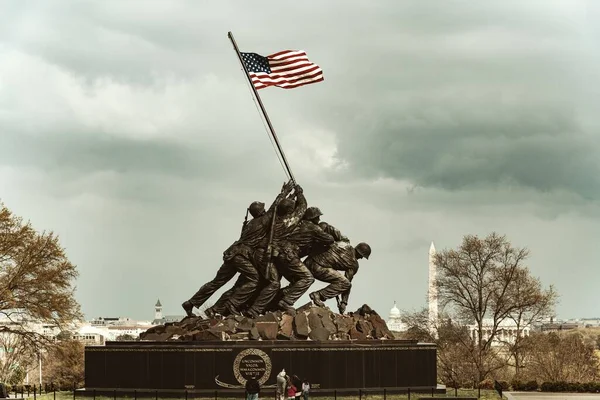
286,69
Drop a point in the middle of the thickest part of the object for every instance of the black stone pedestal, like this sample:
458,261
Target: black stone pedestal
222,365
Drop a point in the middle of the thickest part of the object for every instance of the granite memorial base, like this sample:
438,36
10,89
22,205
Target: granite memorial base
224,366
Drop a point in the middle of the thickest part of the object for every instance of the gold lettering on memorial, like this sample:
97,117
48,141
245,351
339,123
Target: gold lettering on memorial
252,363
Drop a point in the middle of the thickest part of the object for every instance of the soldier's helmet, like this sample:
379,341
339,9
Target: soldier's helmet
312,212
256,208
286,206
363,249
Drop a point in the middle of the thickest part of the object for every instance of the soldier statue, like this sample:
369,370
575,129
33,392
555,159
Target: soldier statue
282,259
307,238
271,246
287,215
341,256
239,258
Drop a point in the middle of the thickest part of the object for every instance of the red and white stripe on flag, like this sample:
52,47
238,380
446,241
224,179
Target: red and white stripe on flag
289,69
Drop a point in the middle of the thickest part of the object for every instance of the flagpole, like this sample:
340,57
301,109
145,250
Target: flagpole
262,108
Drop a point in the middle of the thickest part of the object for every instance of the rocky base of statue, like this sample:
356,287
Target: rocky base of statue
309,323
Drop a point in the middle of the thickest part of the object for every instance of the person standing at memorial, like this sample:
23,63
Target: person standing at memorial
291,390
252,389
281,385
298,385
306,389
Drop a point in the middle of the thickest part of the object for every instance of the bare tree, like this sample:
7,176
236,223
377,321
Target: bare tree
36,281
418,326
555,357
17,355
64,364
455,350
532,304
477,285
454,345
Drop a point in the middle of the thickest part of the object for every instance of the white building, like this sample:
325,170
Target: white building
394,323
506,333
90,335
160,319
17,319
102,329
584,322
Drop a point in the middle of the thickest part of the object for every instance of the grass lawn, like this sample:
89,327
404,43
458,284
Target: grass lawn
485,395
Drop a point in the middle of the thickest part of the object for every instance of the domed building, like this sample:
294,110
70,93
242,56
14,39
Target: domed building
394,323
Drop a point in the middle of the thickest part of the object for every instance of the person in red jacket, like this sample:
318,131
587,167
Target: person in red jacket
291,390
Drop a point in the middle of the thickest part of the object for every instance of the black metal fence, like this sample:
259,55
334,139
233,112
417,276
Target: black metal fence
51,391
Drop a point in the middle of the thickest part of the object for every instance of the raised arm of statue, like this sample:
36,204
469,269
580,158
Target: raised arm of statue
285,191
301,205
322,238
333,231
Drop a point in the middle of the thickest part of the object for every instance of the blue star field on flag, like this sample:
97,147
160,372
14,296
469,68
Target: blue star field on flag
256,63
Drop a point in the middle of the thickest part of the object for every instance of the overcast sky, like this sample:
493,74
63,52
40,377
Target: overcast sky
128,128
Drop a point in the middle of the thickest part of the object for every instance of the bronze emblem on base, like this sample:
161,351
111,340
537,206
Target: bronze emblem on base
249,363
252,363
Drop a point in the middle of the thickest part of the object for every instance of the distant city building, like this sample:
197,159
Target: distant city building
394,322
90,335
591,322
557,326
506,333
552,325
98,331
583,322
112,321
158,310
159,319
17,319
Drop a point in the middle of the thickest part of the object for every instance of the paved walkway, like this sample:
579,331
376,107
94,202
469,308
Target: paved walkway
551,396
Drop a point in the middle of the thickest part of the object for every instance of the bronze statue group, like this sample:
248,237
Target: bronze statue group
287,240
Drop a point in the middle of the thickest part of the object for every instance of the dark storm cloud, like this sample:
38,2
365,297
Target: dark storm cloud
91,153
485,100
149,171
543,150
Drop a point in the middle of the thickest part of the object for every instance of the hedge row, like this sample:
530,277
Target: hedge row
521,386
30,388
590,387
532,386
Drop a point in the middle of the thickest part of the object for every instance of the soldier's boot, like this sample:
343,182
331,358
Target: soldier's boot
251,313
286,308
188,307
316,299
213,312
209,312
231,310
